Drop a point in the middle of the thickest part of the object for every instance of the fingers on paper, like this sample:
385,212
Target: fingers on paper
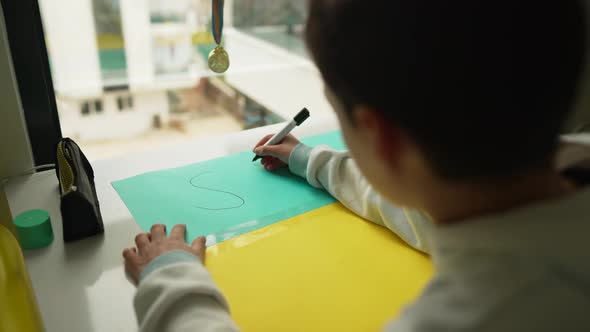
199,246
199,243
158,232
142,240
130,253
178,232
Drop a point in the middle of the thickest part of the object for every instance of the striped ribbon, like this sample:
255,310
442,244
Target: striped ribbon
217,19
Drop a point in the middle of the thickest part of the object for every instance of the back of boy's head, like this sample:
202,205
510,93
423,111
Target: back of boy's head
482,87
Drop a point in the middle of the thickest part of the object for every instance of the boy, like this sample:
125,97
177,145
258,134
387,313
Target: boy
449,107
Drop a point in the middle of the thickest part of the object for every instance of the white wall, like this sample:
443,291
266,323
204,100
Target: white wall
135,18
111,123
73,51
177,6
69,116
172,48
15,148
154,103
228,13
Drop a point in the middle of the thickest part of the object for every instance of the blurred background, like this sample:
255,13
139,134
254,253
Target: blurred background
132,74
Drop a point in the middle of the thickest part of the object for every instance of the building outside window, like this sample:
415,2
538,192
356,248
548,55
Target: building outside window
133,74
91,107
125,103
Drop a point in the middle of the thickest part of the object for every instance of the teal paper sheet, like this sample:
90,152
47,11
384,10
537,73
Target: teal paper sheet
222,198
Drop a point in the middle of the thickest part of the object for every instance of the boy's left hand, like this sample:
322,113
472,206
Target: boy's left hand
155,243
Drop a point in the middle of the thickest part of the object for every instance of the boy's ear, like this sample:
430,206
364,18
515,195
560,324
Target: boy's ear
385,139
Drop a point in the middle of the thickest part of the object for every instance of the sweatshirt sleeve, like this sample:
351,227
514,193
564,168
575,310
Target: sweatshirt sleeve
176,293
337,173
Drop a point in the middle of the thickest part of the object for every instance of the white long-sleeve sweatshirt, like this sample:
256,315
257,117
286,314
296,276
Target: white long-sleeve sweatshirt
526,269
337,173
176,293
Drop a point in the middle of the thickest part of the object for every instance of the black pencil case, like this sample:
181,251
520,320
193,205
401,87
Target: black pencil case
79,205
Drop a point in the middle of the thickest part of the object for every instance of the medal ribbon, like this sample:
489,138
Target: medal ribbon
217,19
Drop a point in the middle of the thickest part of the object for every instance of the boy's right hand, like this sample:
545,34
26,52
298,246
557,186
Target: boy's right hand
275,156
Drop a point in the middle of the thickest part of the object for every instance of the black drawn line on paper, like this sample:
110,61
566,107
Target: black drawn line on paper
242,201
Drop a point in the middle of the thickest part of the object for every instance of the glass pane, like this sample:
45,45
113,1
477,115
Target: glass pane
85,108
98,106
120,103
146,62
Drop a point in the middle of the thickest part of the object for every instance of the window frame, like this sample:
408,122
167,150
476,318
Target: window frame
85,109
91,107
30,61
125,103
98,106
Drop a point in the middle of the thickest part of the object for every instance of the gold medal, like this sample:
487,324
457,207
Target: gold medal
219,60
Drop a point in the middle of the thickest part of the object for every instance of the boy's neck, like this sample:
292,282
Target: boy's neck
452,203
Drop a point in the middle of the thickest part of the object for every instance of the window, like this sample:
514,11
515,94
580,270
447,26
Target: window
91,107
155,52
25,38
98,106
136,61
85,108
125,103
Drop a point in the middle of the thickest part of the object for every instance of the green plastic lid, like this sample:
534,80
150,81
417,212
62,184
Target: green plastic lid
33,228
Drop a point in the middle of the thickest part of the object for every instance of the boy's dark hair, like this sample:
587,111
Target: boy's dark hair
483,87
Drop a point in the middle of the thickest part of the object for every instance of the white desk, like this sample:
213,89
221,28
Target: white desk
81,286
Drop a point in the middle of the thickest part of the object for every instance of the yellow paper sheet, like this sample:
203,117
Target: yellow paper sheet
325,270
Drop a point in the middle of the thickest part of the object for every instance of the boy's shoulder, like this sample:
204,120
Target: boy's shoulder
504,294
524,269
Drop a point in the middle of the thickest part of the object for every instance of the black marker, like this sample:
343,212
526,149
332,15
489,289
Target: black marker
278,137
